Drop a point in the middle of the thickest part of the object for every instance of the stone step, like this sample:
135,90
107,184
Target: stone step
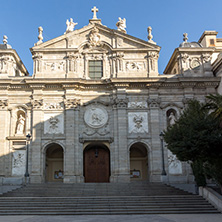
101,199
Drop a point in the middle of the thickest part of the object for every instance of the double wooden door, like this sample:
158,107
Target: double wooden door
96,165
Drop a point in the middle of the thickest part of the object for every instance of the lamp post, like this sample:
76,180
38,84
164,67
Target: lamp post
28,138
163,164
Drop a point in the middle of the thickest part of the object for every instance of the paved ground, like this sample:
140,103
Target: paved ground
117,218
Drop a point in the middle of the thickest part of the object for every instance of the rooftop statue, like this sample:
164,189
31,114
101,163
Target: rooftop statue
70,25
121,25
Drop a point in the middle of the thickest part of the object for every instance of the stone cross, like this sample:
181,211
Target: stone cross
94,10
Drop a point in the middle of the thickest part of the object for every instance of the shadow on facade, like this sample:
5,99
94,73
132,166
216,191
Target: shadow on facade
104,140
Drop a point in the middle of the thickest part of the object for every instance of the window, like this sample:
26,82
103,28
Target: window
95,69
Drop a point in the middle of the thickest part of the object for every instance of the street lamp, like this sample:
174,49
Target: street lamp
163,164
28,138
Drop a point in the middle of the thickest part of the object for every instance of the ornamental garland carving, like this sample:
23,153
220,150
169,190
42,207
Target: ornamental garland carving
3,104
53,106
72,103
55,66
137,105
100,131
37,104
134,66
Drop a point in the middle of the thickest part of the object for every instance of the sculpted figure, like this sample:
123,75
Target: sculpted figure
21,125
172,118
70,25
121,25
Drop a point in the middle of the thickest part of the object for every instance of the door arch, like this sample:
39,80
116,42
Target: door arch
138,162
54,163
96,164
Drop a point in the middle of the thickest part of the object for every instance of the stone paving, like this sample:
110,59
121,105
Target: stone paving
118,218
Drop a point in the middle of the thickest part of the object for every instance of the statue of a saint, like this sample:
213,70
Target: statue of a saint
121,25
70,25
172,119
21,125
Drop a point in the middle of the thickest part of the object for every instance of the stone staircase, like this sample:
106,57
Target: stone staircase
101,199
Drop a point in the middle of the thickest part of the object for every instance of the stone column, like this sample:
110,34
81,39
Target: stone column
120,140
4,131
156,154
35,161
73,153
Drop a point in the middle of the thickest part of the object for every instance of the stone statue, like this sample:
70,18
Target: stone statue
21,125
172,119
70,25
121,25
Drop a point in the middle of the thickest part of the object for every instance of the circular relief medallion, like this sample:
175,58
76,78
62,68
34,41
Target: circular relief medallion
96,117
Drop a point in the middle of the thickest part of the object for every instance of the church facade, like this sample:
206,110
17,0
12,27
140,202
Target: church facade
96,104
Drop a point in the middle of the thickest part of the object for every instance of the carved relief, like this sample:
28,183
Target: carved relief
18,163
72,103
96,117
53,123
3,104
137,105
137,122
135,66
53,106
54,66
94,38
37,104
174,165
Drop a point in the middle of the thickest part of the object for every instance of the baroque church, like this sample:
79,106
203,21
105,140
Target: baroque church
95,106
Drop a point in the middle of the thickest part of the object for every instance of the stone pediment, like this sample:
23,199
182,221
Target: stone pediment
68,56
110,37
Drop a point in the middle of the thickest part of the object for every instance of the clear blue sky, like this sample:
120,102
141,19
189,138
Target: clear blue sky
169,19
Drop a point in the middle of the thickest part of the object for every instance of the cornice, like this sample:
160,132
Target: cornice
127,83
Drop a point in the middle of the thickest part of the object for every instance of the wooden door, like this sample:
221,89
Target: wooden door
96,165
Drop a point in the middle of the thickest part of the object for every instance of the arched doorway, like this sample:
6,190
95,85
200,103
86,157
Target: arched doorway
96,164
138,162
54,163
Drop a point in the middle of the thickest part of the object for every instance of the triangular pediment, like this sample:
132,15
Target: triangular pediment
115,39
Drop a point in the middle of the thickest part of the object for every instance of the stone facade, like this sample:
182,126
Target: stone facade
67,110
